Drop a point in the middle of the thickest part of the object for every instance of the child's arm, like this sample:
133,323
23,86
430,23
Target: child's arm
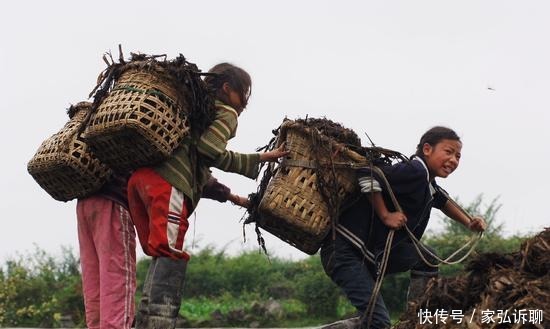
274,155
239,200
217,191
370,186
213,142
394,220
477,224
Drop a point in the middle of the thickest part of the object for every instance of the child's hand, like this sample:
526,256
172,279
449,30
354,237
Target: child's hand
394,220
477,224
239,200
275,154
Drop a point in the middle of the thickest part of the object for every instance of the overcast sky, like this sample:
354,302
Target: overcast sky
391,69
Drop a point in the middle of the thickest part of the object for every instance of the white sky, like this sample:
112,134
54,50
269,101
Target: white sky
392,69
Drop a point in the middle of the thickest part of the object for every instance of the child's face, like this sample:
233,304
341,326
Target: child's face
235,101
234,98
443,158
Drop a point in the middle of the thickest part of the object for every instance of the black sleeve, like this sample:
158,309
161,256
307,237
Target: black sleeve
440,198
215,190
408,183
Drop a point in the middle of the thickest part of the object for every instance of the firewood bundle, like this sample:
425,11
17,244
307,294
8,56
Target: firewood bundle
497,291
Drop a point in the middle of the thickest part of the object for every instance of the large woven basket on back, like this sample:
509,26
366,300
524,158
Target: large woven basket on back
64,166
293,208
140,122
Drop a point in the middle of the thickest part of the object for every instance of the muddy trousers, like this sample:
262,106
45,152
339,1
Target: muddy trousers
162,293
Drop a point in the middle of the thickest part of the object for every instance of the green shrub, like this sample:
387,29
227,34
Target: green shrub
318,293
205,275
212,273
394,291
36,290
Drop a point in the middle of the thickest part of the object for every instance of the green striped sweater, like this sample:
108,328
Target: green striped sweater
188,167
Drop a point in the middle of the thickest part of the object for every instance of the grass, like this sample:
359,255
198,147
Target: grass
202,311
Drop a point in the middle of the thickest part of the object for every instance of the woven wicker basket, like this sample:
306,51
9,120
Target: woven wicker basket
292,208
139,123
64,166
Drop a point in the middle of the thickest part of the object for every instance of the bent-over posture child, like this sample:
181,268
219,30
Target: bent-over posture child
162,198
352,258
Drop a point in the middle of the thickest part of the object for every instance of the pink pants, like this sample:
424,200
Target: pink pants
108,259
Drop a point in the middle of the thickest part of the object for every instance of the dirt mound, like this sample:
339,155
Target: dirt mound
496,291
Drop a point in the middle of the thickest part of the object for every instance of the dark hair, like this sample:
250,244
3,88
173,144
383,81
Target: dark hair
433,136
237,78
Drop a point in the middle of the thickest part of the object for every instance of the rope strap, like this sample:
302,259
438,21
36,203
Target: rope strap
417,244
474,240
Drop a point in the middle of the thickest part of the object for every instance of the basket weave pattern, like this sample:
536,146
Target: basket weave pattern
63,164
292,207
139,123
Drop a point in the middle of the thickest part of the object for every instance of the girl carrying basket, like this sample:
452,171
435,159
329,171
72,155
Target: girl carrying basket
161,198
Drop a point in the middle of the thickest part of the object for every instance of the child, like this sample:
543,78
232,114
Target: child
108,251
162,198
352,258
107,244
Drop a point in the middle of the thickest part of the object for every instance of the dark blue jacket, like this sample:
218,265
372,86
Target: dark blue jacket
416,195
